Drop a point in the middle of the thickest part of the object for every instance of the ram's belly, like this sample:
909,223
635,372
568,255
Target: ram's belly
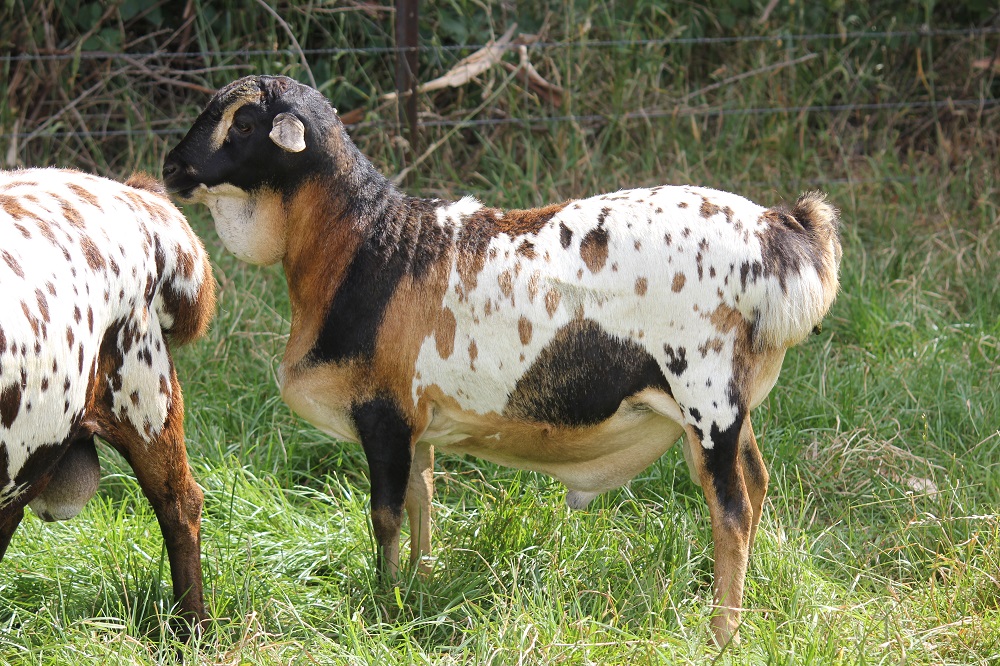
592,458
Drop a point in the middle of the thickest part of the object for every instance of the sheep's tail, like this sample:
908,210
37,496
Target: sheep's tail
184,297
189,298
800,250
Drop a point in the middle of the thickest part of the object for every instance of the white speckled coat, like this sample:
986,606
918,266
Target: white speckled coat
580,339
95,276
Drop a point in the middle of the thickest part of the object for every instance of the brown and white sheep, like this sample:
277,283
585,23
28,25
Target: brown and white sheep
96,277
581,339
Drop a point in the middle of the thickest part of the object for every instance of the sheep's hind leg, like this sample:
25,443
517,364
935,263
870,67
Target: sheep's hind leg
419,493
754,475
720,470
161,468
10,518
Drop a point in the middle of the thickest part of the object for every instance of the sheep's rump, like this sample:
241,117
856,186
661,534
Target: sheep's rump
88,266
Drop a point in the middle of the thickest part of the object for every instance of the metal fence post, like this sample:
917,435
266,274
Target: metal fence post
406,67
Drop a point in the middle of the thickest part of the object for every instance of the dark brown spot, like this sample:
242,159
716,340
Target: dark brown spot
524,330
678,282
640,286
85,194
94,258
565,235
676,359
13,263
594,249
10,403
708,209
73,216
526,249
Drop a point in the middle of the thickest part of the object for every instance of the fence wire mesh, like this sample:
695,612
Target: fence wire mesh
144,106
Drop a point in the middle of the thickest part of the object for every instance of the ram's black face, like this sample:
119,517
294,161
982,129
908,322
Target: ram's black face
233,141
246,156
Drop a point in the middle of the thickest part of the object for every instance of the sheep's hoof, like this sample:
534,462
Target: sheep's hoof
578,499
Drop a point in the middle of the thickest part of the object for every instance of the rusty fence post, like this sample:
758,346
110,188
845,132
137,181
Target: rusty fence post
406,67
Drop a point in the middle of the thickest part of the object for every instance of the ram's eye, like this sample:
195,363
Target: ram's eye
242,126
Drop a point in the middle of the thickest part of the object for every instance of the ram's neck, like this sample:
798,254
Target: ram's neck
353,238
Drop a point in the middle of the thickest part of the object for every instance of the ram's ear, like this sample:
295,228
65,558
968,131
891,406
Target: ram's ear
288,132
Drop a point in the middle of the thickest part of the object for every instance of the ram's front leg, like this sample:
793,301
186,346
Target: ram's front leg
386,438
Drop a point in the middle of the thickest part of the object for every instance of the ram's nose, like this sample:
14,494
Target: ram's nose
171,165
177,176
169,169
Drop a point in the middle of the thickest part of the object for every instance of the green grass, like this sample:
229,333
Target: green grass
879,541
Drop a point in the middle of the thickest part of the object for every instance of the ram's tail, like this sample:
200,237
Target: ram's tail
185,292
800,253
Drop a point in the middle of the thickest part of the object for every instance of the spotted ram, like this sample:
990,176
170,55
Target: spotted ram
581,339
96,277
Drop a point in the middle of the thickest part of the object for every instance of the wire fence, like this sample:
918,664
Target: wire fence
973,106
780,38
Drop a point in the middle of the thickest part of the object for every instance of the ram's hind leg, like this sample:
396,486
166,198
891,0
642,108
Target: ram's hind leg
419,493
161,468
731,509
10,517
754,475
